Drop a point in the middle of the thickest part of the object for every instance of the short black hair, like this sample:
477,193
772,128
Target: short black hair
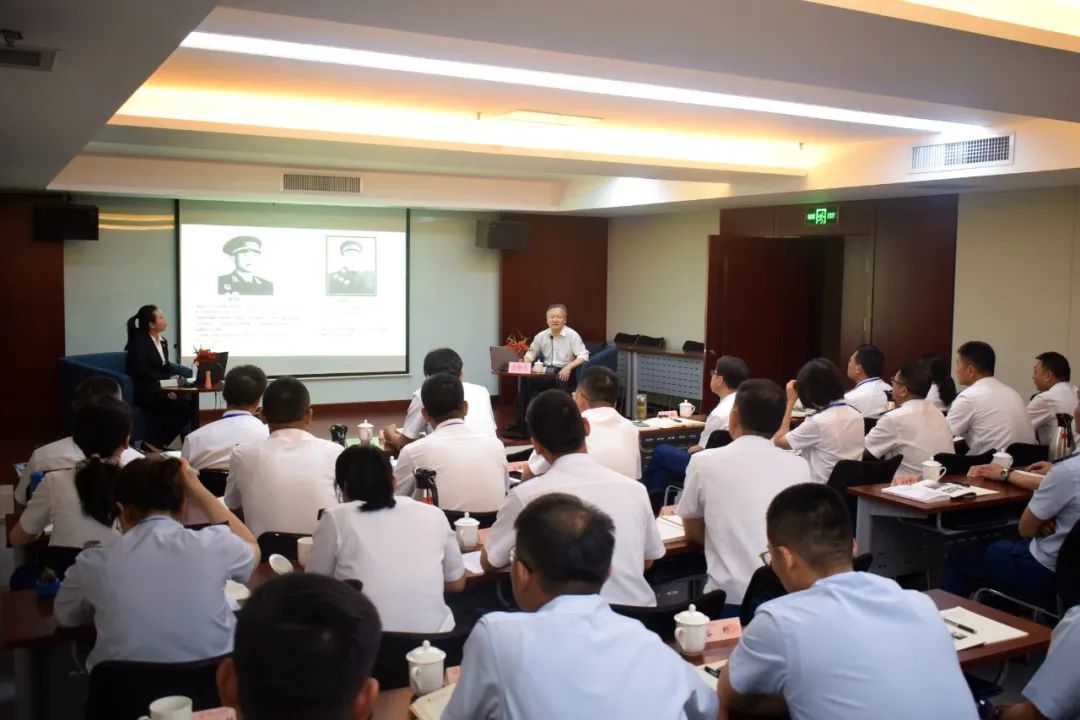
812,520
978,354
305,645
363,472
819,383
917,378
871,360
95,387
567,542
244,386
286,400
443,396
761,404
151,484
1057,364
443,360
555,422
733,370
599,385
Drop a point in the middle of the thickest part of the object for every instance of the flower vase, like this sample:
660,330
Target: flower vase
206,380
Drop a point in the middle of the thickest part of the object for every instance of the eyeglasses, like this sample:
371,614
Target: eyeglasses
766,558
513,557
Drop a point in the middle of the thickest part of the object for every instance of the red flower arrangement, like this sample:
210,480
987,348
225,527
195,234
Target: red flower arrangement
518,343
205,356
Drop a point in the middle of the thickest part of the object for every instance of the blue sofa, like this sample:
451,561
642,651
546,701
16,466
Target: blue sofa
76,368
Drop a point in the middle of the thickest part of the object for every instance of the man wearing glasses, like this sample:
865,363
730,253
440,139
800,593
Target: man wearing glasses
915,429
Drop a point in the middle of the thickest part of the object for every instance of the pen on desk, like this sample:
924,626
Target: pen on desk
957,625
715,672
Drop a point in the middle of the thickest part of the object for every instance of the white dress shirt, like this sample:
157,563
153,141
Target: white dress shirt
283,481
613,441
470,467
58,455
917,430
990,416
557,350
403,555
56,502
211,446
869,398
479,416
1047,405
626,501
730,488
574,658
157,594
827,437
718,419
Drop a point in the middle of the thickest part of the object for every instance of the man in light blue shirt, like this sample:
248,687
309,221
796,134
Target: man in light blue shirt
1054,691
569,654
842,645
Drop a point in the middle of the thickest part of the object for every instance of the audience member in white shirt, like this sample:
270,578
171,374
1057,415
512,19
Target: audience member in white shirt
470,467
611,439
78,502
841,645
480,417
834,431
728,490
943,390
569,654
865,367
668,463
404,552
283,481
64,454
560,346
558,434
211,446
1056,396
989,415
915,429
305,647
157,594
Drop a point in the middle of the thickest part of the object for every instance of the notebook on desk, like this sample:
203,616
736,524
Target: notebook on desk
931,491
970,629
432,705
670,527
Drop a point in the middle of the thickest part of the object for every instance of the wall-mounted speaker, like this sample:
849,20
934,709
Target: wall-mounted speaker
502,235
55,223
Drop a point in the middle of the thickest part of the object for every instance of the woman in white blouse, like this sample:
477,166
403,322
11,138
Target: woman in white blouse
943,390
403,551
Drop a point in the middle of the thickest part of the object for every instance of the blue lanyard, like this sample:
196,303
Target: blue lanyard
866,381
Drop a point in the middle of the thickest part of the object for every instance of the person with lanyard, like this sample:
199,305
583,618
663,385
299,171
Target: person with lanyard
865,367
559,346
148,364
211,446
834,430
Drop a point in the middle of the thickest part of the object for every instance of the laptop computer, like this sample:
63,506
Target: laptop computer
501,357
217,370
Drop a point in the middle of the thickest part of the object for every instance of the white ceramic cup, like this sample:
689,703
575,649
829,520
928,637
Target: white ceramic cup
303,550
468,532
1003,459
691,628
932,470
173,707
426,668
538,367
366,431
686,409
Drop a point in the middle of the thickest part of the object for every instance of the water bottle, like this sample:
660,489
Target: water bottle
425,492
338,433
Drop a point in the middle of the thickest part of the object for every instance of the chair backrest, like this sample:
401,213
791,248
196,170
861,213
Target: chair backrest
693,346
58,559
622,338
717,439
121,690
486,519
282,543
765,585
214,480
960,464
849,473
1028,453
868,424
1067,574
661,619
391,668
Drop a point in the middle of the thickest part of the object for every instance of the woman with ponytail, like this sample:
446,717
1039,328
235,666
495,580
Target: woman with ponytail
79,501
148,364
943,391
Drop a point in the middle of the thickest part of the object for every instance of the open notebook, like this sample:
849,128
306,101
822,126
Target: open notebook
431,706
670,527
969,629
930,491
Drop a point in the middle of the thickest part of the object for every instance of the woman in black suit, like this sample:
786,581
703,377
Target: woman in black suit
148,364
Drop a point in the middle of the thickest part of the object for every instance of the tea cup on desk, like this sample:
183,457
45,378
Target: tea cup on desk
691,628
686,409
173,707
538,367
425,668
468,532
1003,460
932,470
303,550
366,431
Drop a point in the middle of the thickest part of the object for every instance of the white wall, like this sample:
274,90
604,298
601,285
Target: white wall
1018,277
658,274
453,294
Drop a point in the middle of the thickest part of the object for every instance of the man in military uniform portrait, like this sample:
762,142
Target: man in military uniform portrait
351,278
245,251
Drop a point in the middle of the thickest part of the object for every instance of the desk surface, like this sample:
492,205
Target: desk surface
216,388
1005,494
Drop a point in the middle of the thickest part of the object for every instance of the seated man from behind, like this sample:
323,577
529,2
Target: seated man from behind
915,429
283,481
728,489
480,418
65,454
612,440
304,648
1054,690
569,654
470,467
558,434
211,446
1056,395
842,645
988,414
865,367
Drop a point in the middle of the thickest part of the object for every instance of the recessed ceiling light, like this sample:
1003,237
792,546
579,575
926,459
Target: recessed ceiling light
558,81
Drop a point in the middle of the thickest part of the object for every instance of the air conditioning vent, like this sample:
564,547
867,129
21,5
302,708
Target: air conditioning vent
27,58
322,183
983,152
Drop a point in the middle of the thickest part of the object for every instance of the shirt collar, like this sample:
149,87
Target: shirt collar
838,578
574,604
570,460
234,413
152,520
747,440
450,422
867,380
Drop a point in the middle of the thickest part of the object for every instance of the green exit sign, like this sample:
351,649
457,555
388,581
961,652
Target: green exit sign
823,215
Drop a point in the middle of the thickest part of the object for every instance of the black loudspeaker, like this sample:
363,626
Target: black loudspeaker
55,223
501,235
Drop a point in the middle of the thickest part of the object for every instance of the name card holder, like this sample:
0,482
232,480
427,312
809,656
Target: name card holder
519,368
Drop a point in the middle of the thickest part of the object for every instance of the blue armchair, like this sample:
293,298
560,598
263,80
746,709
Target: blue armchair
604,356
76,368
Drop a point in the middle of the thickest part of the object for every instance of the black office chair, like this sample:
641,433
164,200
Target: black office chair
661,620
1024,454
486,519
850,473
214,480
58,559
124,690
282,543
868,424
765,585
960,464
718,439
391,668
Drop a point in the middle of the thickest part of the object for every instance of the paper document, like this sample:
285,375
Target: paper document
472,562
969,629
432,705
706,676
931,491
670,527
664,423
